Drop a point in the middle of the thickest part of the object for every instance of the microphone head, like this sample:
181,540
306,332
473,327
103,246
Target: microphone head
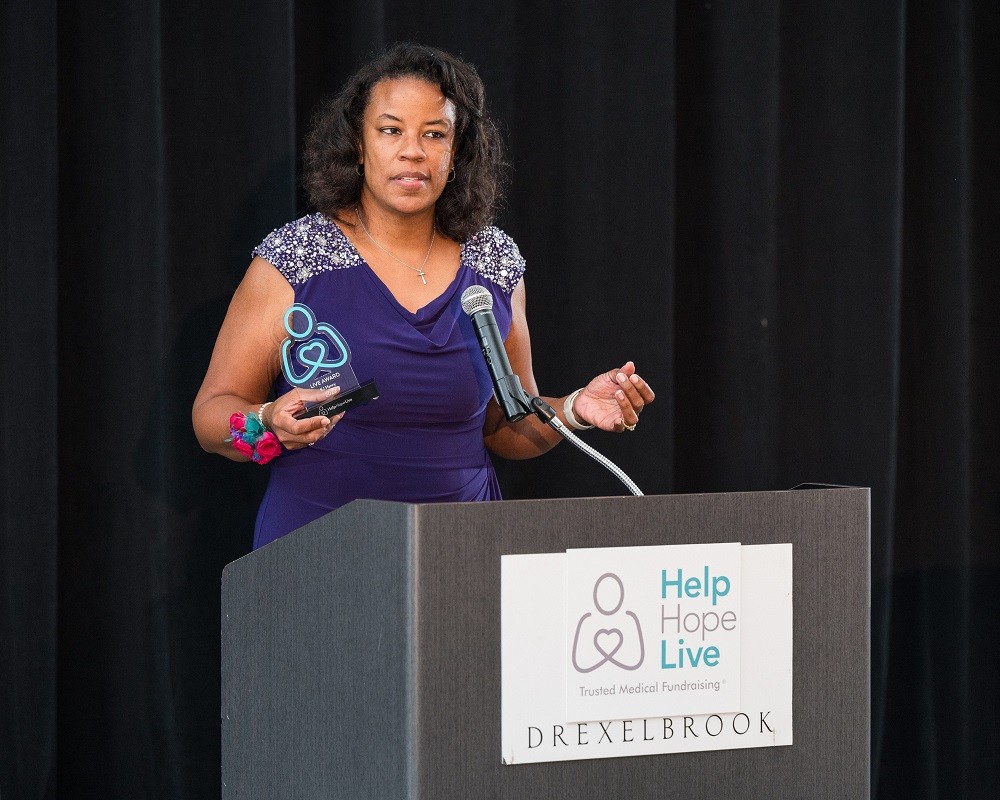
476,298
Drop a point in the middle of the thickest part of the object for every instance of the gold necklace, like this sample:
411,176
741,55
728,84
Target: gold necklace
419,271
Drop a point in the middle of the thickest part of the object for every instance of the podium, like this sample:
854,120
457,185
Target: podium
361,653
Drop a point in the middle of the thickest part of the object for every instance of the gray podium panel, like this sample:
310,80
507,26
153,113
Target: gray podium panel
361,654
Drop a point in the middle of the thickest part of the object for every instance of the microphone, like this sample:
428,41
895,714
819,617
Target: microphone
516,404
477,302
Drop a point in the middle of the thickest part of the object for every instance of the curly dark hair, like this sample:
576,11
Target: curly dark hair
469,201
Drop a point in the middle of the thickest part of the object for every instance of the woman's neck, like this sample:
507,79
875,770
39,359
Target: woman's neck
402,229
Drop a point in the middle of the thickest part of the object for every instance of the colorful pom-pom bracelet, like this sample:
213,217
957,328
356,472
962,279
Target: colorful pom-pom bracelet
248,436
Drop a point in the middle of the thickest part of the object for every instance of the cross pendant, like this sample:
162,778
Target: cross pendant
421,274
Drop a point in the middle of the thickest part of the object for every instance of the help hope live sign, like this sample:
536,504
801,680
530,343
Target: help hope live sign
660,618
642,650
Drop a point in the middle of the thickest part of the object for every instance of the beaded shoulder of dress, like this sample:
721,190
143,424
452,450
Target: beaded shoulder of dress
493,254
306,247
313,244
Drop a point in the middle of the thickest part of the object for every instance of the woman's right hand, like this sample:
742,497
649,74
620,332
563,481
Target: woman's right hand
245,363
294,434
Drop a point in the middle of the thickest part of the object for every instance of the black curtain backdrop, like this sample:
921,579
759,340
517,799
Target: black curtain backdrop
786,213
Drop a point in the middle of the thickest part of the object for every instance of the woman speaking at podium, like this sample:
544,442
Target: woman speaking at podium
404,169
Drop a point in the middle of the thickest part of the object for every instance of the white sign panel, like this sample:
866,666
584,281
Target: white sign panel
550,645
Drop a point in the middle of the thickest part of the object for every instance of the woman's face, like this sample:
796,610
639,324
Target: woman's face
407,145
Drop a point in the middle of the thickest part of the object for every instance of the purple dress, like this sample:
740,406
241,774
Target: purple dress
422,439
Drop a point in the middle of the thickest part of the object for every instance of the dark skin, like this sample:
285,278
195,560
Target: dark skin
407,150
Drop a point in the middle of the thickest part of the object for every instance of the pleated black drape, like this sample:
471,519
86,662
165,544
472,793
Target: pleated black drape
28,407
942,632
785,214
176,133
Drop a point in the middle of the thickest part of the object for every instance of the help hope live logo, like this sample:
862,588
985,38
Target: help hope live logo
654,631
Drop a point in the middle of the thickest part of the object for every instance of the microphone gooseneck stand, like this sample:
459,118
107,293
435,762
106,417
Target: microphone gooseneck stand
544,412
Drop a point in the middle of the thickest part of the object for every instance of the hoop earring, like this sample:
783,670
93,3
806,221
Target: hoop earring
451,175
358,168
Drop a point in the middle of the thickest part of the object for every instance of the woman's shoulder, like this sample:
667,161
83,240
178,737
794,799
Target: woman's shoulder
492,254
306,247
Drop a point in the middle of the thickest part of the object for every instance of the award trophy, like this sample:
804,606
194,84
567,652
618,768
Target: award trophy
316,356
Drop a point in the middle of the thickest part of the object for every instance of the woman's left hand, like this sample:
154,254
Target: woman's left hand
613,400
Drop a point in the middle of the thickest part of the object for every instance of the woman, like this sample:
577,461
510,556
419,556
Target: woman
404,169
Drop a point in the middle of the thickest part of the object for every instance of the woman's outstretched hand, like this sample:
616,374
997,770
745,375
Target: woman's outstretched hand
613,400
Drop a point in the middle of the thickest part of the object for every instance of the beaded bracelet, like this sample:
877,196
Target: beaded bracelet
249,437
260,413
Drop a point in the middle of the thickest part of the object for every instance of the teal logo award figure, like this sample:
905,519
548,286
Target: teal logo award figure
316,356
